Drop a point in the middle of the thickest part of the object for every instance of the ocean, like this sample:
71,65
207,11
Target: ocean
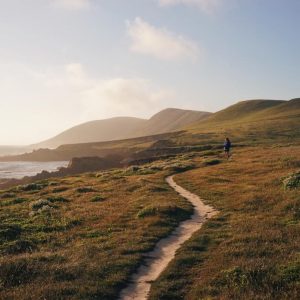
19,169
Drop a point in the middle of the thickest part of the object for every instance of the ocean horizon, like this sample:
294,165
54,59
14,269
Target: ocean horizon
20,169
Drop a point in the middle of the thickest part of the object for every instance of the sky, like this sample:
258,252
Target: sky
64,62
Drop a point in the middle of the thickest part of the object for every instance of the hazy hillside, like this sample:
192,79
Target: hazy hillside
95,131
262,121
168,120
13,150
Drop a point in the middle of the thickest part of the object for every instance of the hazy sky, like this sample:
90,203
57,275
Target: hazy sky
63,62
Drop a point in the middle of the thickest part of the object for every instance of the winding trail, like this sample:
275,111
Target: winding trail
158,259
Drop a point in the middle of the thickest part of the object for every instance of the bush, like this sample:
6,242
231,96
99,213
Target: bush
57,199
8,195
60,189
211,162
167,210
20,246
32,187
10,231
179,167
36,205
85,190
12,202
292,181
97,199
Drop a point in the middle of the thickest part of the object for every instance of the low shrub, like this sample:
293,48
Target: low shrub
98,198
10,231
57,199
20,246
167,210
85,190
212,162
60,189
36,205
8,195
178,167
292,181
32,187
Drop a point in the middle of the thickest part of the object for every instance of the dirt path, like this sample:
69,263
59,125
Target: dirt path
158,259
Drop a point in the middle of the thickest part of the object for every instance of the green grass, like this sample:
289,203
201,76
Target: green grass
80,243
250,250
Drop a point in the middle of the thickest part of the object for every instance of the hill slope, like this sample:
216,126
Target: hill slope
168,120
100,130
244,109
262,120
253,121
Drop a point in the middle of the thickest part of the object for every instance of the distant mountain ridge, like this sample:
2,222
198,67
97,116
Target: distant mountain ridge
167,120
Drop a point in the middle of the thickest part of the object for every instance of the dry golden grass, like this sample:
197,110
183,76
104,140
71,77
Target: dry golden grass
251,250
91,240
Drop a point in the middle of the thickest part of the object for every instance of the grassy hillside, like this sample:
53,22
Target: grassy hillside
249,121
81,237
243,109
168,120
95,131
123,148
251,249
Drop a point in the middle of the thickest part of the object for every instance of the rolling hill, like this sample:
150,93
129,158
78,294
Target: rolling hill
167,120
251,120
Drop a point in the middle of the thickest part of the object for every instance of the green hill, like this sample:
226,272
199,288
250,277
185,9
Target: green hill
263,120
244,109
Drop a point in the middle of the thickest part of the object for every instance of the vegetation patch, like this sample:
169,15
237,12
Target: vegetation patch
250,253
292,181
169,210
60,189
211,162
32,187
58,199
98,198
85,190
20,246
85,243
9,231
13,201
7,195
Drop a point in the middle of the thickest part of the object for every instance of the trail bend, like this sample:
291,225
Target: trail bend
164,252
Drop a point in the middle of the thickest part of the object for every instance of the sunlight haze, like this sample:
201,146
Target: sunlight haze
64,62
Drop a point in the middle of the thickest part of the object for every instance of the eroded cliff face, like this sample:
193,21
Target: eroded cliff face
89,164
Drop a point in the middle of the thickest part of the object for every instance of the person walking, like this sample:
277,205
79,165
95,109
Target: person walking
227,146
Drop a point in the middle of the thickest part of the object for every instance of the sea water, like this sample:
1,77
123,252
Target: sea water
19,169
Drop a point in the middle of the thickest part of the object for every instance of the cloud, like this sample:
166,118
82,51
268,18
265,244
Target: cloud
59,97
72,4
100,98
124,96
207,6
159,42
